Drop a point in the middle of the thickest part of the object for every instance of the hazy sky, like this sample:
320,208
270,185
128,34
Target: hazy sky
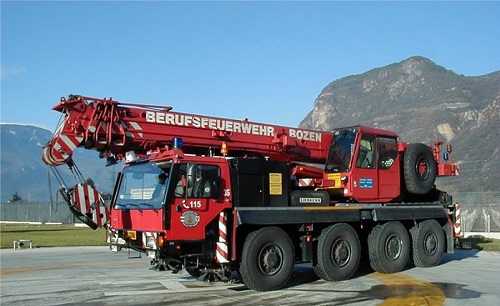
266,61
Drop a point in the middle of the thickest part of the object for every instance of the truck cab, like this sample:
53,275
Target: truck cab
178,215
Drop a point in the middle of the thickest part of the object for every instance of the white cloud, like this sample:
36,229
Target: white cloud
9,72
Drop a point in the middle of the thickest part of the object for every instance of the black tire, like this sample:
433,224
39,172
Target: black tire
420,168
339,252
388,247
428,243
268,259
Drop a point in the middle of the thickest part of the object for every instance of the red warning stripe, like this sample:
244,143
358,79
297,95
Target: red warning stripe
457,224
222,227
81,198
58,151
221,250
222,253
88,201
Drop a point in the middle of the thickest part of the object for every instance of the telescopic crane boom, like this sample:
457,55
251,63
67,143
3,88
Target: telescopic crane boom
113,128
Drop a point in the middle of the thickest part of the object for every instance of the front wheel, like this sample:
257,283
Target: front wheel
388,247
268,259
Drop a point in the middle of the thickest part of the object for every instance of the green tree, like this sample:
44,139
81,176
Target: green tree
16,198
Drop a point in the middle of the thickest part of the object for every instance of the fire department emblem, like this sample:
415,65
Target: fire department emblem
190,219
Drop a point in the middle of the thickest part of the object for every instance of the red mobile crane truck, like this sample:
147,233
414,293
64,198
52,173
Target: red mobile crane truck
214,196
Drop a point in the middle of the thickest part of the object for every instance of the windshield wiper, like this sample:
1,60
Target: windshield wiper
138,206
130,204
150,205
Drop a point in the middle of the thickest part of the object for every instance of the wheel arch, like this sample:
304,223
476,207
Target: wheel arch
446,227
243,230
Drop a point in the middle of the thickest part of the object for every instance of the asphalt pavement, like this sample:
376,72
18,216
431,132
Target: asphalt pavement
96,276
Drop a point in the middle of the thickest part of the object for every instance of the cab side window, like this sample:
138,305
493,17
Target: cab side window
387,151
366,156
198,181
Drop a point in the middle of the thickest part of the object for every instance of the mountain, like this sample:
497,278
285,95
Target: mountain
23,171
423,102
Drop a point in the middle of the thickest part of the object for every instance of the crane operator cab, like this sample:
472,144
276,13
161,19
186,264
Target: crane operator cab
364,166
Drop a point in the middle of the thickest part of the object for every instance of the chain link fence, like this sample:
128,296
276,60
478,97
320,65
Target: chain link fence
480,211
45,212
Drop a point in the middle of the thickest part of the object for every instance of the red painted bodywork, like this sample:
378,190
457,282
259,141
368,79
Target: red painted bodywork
114,128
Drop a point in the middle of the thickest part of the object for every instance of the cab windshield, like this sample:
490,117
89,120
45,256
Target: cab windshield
341,150
143,186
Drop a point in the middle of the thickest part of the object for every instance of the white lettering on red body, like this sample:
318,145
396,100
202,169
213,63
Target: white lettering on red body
243,127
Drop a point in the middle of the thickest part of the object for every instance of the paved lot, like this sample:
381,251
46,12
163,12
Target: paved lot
95,276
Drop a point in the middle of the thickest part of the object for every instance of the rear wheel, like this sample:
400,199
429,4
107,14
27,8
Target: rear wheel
338,252
388,247
267,260
419,167
427,243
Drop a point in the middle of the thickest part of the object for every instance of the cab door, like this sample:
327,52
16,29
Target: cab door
364,172
388,168
195,202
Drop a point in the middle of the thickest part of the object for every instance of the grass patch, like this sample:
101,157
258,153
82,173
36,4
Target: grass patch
483,244
51,235
69,235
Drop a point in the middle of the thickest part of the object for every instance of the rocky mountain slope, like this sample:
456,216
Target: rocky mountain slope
423,102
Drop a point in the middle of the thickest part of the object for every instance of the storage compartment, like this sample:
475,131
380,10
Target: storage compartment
260,182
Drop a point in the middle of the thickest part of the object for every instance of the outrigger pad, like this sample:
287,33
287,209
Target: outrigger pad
211,275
